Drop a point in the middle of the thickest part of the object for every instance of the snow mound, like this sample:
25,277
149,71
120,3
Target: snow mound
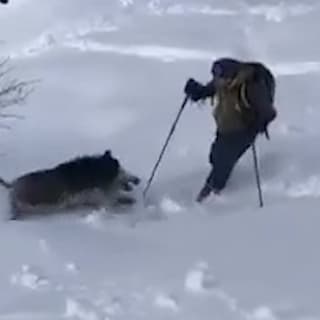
77,310
28,278
165,301
262,313
200,279
170,206
309,188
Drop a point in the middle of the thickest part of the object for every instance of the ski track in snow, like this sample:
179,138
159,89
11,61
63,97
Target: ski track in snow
73,39
164,54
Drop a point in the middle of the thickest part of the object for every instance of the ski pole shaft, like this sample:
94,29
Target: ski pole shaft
257,174
164,147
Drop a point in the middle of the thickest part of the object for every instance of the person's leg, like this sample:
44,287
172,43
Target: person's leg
226,150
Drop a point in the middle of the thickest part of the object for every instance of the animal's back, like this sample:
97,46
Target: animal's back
88,172
41,187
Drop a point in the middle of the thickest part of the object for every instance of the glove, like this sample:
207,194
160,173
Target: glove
194,90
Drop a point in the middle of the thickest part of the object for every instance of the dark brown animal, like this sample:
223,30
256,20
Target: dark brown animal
93,181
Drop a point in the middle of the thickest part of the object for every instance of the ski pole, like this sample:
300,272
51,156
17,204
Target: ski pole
257,174
164,147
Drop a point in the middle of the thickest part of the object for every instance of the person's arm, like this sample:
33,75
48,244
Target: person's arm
197,91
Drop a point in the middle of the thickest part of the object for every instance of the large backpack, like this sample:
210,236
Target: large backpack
256,93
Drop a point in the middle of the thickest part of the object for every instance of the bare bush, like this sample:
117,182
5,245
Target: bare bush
12,90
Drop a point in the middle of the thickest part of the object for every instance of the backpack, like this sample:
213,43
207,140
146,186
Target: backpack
256,93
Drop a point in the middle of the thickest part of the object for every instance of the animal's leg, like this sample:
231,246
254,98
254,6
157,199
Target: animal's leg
14,214
16,211
92,199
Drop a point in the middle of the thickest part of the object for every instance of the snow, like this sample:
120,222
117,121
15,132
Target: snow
74,310
112,75
281,11
27,278
199,279
166,302
169,206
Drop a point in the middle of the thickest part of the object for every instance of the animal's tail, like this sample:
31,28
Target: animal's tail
5,183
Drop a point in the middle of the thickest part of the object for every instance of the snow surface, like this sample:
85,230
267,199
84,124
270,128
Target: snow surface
112,74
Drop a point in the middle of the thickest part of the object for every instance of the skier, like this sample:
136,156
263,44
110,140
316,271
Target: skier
4,1
244,95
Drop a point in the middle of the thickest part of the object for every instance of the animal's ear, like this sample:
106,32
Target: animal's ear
108,154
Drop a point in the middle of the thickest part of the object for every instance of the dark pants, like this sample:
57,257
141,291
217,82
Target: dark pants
226,150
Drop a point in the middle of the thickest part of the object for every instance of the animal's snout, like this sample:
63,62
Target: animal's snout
127,187
136,180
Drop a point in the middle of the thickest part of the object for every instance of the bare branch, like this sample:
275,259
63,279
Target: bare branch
12,90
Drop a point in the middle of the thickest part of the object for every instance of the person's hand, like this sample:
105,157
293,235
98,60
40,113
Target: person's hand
194,89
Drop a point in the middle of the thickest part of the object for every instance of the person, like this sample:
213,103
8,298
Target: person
244,93
4,1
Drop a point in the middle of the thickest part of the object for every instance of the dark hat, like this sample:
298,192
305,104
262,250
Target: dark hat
225,67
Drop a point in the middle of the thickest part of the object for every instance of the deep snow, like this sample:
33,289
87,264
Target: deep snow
112,77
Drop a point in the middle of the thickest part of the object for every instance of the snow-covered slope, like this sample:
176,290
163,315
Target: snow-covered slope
112,77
